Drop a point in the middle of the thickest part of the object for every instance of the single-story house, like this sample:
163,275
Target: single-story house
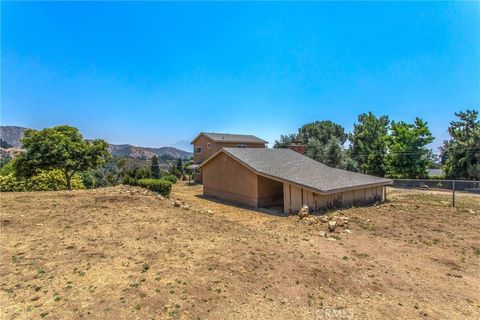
285,178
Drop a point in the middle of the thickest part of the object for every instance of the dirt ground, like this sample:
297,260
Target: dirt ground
125,253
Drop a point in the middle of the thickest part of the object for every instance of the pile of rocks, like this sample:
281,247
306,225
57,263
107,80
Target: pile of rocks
181,204
334,222
127,190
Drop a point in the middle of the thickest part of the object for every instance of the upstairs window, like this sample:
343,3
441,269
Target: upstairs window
208,145
198,150
241,146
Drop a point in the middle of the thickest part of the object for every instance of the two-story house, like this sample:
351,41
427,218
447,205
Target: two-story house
207,144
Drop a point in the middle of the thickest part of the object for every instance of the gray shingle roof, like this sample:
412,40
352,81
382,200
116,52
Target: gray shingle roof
291,166
227,137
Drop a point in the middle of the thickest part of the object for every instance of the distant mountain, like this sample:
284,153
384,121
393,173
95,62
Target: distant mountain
11,135
183,145
126,150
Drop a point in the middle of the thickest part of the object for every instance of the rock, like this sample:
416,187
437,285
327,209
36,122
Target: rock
323,219
339,223
471,211
332,225
210,211
303,213
322,234
177,203
347,231
185,207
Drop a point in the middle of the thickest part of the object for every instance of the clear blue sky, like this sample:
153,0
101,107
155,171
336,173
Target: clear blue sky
153,74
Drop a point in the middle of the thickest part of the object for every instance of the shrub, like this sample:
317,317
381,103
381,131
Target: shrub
7,169
10,183
51,180
170,177
129,181
158,185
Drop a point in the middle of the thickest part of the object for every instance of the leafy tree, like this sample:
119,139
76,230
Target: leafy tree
62,148
315,150
179,166
408,155
319,139
4,144
285,140
369,143
333,154
155,168
323,131
461,154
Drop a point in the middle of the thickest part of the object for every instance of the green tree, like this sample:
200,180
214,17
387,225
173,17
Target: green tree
323,131
368,143
180,166
155,168
408,155
461,154
333,154
285,140
62,148
319,139
4,144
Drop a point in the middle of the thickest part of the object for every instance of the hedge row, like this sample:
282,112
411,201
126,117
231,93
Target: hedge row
161,186
52,180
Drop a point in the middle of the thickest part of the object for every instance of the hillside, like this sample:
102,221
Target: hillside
126,150
12,135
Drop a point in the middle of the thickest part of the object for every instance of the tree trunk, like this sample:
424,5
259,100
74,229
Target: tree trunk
68,178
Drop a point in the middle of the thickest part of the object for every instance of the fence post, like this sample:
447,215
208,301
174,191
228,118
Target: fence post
453,193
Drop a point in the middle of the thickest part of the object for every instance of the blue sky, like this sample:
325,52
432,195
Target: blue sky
154,73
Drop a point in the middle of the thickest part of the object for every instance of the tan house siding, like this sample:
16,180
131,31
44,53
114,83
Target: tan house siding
294,198
207,151
210,147
225,178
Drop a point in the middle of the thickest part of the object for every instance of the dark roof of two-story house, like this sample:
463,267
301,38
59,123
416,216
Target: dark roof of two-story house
228,137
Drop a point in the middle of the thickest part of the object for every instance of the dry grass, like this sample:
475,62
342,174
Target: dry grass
121,253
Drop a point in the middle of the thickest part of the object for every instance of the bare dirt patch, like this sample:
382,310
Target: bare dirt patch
122,253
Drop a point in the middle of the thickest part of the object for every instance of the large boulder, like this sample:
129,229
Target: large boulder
304,211
332,225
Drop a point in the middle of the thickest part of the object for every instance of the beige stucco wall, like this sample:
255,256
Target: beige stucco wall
207,152
226,178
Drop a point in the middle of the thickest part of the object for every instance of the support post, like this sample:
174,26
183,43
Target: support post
453,193
384,193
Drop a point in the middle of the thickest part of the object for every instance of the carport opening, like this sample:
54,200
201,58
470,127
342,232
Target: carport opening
270,193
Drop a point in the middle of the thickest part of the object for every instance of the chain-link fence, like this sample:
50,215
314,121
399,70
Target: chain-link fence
469,186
